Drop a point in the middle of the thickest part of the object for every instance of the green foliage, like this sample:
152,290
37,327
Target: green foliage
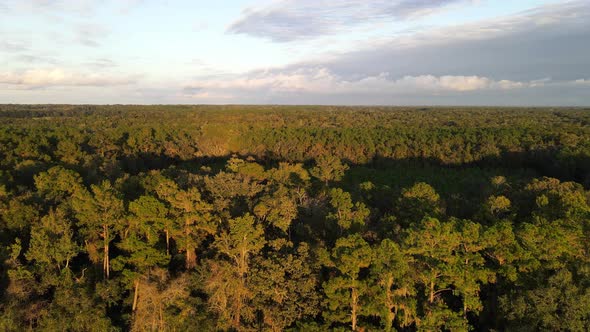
226,283
497,208
278,209
346,214
192,219
329,168
419,201
242,239
57,184
302,218
559,303
99,213
448,258
285,288
52,245
394,291
346,294
19,214
72,300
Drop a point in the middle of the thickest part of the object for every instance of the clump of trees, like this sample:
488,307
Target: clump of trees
133,218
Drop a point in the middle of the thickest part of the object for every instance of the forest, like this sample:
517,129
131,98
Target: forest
294,218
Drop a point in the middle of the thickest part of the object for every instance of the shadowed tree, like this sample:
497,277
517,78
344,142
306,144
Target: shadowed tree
226,278
497,208
471,271
417,202
432,246
149,210
193,220
558,302
75,308
141,254
284,287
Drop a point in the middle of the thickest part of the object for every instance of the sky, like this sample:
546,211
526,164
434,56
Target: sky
336,52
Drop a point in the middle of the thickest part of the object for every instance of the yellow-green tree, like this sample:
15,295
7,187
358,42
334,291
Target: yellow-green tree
346,292
393,288
100,212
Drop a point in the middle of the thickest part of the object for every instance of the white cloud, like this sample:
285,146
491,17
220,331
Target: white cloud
40,78
322,81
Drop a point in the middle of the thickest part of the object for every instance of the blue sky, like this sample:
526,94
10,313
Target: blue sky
393,52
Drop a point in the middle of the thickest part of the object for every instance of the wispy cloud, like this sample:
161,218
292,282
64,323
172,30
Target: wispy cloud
101,63
12,46
126,6
52,77
90,34
35,59
290,20
80,7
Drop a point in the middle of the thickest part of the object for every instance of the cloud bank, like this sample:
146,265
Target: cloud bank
322,85
290,20
538,56
528,58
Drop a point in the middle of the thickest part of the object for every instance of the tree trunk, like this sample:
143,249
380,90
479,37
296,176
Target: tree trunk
190,254
390,305
105,260
464,310
135,295
167,242
431,297
237,314
354,307
190,257
465,295
161,318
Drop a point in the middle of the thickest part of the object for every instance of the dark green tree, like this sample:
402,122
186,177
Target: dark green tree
227,278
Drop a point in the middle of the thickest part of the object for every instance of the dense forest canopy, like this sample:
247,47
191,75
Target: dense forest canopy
302,218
